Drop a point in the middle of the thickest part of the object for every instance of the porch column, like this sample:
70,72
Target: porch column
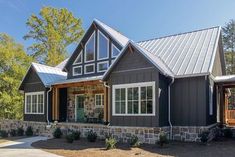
55,104
106,104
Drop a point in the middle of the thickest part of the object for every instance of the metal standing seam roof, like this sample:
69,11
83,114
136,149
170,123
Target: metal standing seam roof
189,53
48,74
120,38
62,64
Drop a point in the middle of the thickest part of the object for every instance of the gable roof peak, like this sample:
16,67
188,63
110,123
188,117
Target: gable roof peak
115,34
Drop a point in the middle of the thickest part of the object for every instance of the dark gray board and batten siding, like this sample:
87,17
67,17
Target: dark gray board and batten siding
32,83
133,67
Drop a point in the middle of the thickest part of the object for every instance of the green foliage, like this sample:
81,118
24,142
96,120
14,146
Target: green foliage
3,134
20,131
13,65
110,143
70,138
29,131
13,132
53,31
57,133
76,135
91,136
228,35
204,137
228,133
162,139
134,141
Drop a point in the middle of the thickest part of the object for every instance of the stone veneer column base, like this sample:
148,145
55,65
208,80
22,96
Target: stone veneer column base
145,134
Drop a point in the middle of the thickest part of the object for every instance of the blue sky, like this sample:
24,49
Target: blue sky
137,19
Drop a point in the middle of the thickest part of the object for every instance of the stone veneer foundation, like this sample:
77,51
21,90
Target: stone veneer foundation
123,134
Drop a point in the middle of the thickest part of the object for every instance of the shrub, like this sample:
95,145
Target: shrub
228,133
3,134
218,134
29,131
76,135
13,132
20,131
110,143
57,133
204,136
70,138
91,136
134,141
162,139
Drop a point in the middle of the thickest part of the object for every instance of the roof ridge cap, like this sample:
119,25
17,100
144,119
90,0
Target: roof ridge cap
166,36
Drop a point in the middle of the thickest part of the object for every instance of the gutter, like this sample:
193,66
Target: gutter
48,122
169,106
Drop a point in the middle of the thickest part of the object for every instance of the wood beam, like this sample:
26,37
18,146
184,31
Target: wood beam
77,84
105,104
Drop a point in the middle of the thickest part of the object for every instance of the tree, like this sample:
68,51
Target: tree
53,30
229,45
13,65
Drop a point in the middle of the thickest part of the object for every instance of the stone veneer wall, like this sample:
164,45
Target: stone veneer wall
123,134
89,103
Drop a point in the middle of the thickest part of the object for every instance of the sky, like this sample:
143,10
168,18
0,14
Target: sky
136,19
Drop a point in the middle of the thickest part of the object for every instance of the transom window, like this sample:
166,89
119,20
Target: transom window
99,100
102,66
103,46
134,99
34,103
77,70
78,60
89,68
115,51
90,49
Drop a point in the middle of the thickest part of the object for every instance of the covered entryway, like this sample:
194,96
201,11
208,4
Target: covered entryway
224,86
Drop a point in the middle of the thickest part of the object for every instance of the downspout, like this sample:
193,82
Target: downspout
48,122
107,87
169,106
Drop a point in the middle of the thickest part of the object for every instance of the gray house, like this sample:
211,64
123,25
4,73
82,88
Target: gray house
171,81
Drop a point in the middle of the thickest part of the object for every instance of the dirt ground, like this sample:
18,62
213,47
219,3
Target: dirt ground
82,148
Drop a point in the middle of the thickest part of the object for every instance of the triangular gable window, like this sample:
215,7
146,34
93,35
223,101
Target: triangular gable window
90,49
78,60
115,51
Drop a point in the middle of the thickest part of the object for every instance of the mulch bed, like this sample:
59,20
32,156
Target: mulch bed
83,148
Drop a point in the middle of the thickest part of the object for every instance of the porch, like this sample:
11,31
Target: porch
82,102
225,86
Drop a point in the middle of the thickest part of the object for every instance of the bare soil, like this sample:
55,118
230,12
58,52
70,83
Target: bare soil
83,148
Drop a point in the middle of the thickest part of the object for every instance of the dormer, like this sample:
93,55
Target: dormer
96,51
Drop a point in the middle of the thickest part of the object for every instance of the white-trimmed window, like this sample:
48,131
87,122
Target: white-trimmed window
134,99
99,100
211,100
90,49
115,51
34,103
89,68
77,70
78,60
102,66
103,46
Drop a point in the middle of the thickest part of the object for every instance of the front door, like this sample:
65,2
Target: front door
79,114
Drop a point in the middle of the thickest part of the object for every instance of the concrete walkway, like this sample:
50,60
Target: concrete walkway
23,148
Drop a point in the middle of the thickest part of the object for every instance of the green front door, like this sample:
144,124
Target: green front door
80,115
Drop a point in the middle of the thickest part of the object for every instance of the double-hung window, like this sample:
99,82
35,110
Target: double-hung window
99,100
134,99
34,103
